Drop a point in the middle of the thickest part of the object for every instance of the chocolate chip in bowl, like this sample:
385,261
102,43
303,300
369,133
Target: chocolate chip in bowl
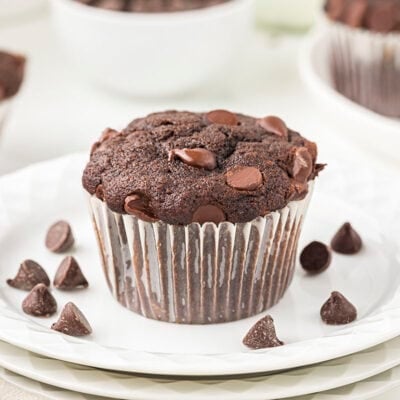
203,38
30,274
199,184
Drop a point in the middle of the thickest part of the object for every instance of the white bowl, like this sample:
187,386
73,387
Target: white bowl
150,54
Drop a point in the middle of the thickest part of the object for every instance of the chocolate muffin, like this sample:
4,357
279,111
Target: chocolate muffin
198,215
364,42
152,6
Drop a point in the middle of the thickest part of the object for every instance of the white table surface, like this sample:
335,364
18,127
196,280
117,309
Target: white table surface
57,112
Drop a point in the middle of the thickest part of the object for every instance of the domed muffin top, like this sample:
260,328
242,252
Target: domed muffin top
183,167
375,15
11,74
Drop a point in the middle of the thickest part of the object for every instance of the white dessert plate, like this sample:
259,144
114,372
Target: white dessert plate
314,67
381,387
31,199
9,8
321,377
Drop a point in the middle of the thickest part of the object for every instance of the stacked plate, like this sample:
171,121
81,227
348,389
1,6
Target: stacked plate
129,357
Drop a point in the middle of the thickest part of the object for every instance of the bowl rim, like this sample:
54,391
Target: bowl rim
217,10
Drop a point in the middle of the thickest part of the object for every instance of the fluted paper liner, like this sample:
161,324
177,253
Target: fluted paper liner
366,67
198,274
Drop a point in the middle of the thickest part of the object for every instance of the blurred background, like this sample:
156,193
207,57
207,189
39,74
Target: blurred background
90,68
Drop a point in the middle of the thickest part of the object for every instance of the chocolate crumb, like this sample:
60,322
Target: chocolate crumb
72,322
346,240
69,275
337,310
262,335
59,238
316,257
40,302
30,274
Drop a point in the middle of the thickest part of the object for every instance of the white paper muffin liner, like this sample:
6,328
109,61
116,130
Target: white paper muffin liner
199,274
366,67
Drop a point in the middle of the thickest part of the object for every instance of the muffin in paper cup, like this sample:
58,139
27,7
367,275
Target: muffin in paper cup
364,48
191,261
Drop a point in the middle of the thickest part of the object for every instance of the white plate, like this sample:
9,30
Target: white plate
326,376
9,8
33,198
314,67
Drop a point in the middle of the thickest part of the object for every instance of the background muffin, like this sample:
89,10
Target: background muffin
198,215
364,38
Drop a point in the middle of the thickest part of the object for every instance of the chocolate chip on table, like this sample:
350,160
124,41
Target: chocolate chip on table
244,178
40,302
199,158
69,275
337,310
346,240
59,238
274,125
72,322
208,213
222,117
137,205
30,273
302,165
262,335
316,257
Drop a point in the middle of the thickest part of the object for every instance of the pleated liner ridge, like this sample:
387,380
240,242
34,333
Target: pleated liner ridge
198,274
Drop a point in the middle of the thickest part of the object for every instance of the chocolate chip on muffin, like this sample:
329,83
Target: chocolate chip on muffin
262,335
30,274
183,167
40,302
337,310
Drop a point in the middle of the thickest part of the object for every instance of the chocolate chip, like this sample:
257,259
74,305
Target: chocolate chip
317,169
382,18
244,178
72,322
298,190
69,275
262,335
355,13
40,302
114,5
199,158
59,238
274,125
109,134
346,240
209,213
335,8
316,257
138,206
222,117
338,310
30,273
302,165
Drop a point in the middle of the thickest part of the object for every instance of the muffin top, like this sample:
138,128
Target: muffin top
183,167
376,15
149,6
11,74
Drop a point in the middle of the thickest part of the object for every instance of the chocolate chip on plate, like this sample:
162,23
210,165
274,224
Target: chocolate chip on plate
262,335
208,213
199,158
138,206
274,125
30,273
59,238
69,275
40,302
222,117
244,178
337,310
72,322
346,240
315,257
